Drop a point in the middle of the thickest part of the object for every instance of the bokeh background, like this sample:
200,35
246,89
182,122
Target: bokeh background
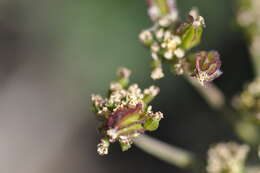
54,54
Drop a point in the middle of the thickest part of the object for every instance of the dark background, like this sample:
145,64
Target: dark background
54,54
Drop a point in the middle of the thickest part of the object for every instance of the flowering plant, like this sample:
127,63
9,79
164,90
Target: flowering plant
126,114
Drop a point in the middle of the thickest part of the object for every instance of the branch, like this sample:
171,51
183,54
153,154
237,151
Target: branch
255,56
170,154
212,95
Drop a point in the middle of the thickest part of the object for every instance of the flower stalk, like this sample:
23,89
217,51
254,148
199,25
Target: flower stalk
212,95
170,154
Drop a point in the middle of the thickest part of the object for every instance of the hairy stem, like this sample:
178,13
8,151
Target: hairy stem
170,154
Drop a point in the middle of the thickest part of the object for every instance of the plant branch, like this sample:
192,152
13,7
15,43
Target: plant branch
212,95
245,130
255,56
170,154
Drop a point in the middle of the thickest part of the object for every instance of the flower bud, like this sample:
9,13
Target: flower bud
123,75
150,93
146,37
103,147
195,19
163,11
157,73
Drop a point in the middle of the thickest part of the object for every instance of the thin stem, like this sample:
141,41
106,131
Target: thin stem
212,95
168,153
245,130
255,56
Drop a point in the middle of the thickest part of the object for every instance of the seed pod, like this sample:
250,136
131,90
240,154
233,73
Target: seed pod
191,31
207,67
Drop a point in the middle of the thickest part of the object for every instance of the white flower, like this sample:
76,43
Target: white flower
123,72
155,47
168,55
157,73
197,19
156,115
159,34
115,86
152,91
179,53
102,147
155,56
145,36
227,157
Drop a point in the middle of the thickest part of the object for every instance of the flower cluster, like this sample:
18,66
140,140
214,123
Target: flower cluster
169,40
248,102
125,113
227,158
248,17
248,13
163,12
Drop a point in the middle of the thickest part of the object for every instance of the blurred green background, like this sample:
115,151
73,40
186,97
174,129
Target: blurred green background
55,54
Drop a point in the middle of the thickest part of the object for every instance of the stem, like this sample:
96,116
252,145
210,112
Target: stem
255,56
245,130
212,95
170,154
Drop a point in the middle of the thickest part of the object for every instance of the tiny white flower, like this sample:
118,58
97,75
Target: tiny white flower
155,56
102,147
168,55
159,34
145,36
179,53
197,19
152,91
157,73
155,47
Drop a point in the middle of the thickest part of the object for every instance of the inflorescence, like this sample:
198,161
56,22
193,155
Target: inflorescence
227,158
248,102
125,113
170,40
